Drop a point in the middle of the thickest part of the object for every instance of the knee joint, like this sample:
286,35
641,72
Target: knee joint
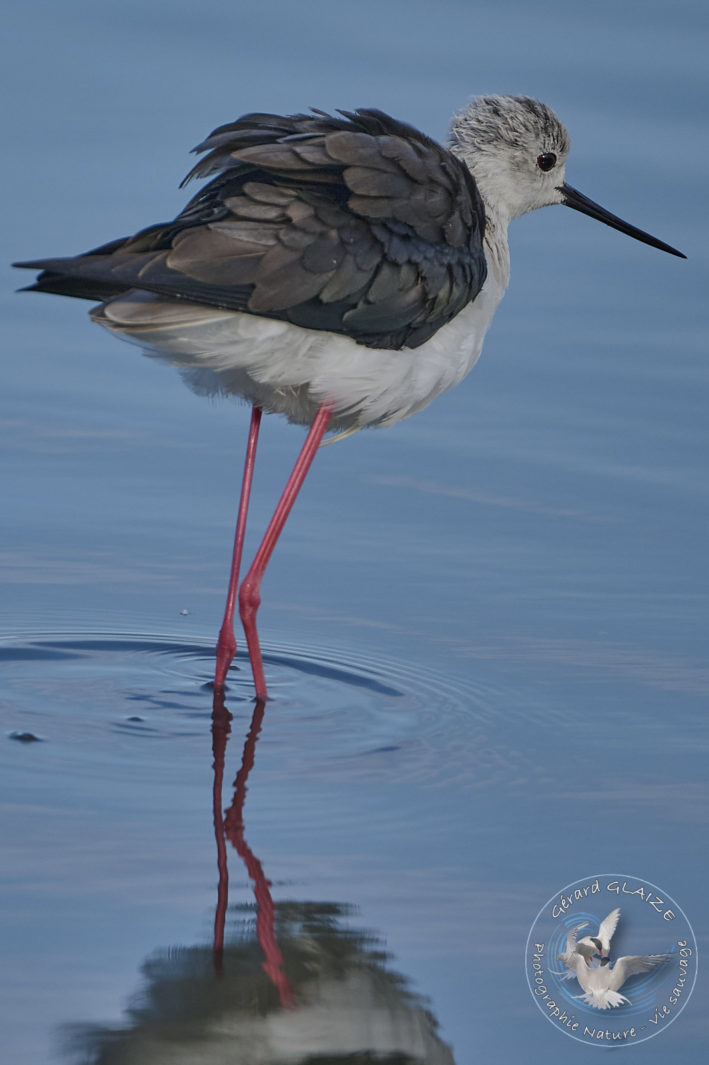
249,598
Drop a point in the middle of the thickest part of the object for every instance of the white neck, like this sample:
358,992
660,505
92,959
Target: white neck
497,251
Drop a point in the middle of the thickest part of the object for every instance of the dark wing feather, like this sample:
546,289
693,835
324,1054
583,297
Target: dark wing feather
357,224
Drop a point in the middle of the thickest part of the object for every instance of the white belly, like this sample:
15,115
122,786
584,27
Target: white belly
291,370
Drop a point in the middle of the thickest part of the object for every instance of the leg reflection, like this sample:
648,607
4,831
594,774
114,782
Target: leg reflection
231,826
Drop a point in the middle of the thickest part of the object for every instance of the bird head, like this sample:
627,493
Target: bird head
516,149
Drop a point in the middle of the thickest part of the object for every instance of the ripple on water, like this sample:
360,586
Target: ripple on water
331,713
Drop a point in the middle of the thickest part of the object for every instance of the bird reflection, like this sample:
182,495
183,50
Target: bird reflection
232,826
287,983
352,1008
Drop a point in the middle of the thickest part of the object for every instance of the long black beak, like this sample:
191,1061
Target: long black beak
581,203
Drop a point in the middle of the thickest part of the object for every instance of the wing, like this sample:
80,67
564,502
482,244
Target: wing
578,968
571,937
632,964
566,974
356,224
607,928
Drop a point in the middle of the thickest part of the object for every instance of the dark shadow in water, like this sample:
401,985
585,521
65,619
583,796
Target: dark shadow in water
351,1007
286,983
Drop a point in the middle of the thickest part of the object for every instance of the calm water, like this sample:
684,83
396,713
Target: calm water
485,629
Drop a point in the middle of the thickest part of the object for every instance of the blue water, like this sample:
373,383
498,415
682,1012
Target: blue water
484,629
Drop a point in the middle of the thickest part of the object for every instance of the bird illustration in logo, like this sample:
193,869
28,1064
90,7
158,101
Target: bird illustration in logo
601,984
601,942
569,955
589,945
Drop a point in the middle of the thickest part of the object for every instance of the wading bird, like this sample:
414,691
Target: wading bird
340,270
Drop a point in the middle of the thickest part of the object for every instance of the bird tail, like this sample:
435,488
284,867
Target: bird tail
340,436
604,999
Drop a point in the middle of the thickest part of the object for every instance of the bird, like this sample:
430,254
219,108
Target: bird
589,946
341,270
601,942
601,985
568,956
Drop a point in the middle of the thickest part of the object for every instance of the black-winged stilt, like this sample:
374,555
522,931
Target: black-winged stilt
342,271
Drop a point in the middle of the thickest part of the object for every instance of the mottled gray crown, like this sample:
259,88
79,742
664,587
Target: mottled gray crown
515,121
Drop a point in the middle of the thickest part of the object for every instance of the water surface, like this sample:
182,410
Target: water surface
484,629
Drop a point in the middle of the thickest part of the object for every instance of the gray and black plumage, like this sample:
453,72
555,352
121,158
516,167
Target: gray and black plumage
358,225
345,259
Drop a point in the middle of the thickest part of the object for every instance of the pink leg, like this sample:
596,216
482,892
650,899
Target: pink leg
250,591
226,645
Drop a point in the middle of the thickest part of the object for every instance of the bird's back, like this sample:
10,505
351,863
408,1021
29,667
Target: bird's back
325,257
357,225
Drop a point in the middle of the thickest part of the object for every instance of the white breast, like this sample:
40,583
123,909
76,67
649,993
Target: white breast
291,370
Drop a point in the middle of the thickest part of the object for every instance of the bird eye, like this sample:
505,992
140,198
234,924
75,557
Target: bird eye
546,161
